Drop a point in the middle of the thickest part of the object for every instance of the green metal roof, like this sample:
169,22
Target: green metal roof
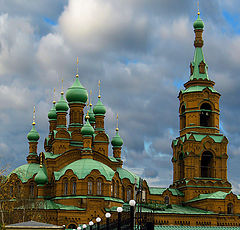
90,197
82,168
123,173
51,155
113,159
162,227
198,88
26,172
216,195
160,191
199,137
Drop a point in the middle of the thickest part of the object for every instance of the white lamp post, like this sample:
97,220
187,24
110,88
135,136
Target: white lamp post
84,226
98,219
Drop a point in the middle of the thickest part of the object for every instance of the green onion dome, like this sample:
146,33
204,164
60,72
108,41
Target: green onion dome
87,129
62,105
198,24
41,177
77,93
99,108
52,114
117,141
91,115
33,135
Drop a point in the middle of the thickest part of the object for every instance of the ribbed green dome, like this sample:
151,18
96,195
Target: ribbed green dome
41,177
62,105
117,141
99,108
91,115
198,24
52,114
87,129
33,135
77,93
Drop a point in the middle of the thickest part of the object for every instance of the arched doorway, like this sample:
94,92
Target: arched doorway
207,165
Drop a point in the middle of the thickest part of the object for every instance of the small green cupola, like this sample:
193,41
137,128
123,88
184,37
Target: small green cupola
99,108
62,105
33,135
77,93
198,24
52,114
41,178
117,141
91,115
87,129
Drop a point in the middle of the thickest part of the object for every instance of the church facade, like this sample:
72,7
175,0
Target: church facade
78,179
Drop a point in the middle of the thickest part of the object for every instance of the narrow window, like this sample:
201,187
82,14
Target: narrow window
90,187
11,191
116,189
207,165
230,208
74,187
183,117
112,188
181,165
99,186
31,188
129,194
65,187
167,200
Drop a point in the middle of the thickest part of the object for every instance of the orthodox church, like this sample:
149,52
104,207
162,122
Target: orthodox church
78,179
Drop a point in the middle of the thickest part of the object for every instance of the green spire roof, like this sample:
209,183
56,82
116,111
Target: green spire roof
91,115
33,135
117,141
99,108
77,93
198,24
41,177
87,129
199,58
52,114
62,105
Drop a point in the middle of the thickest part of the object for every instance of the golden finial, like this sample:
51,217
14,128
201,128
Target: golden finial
117,123
34,116
99,84
90,97
62,87
41,159
77,67
54,102
87,117
198,8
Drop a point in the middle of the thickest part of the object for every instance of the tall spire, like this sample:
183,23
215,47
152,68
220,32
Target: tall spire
99,84
34,115
198,67
77,67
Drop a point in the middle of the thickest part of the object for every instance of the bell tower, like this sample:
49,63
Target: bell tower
200,152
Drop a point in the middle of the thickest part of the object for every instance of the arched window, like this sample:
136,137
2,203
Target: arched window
129,193
181,165
31,189
90,186
143,195
17,189
207,165
73,186
11,191
116,189
167,200
230,208
65,186
112,188
99,186
72,226
182,117
206,115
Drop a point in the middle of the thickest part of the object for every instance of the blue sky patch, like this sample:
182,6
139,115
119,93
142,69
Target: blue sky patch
49,21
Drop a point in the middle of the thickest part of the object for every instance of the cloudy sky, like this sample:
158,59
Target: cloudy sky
139,49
